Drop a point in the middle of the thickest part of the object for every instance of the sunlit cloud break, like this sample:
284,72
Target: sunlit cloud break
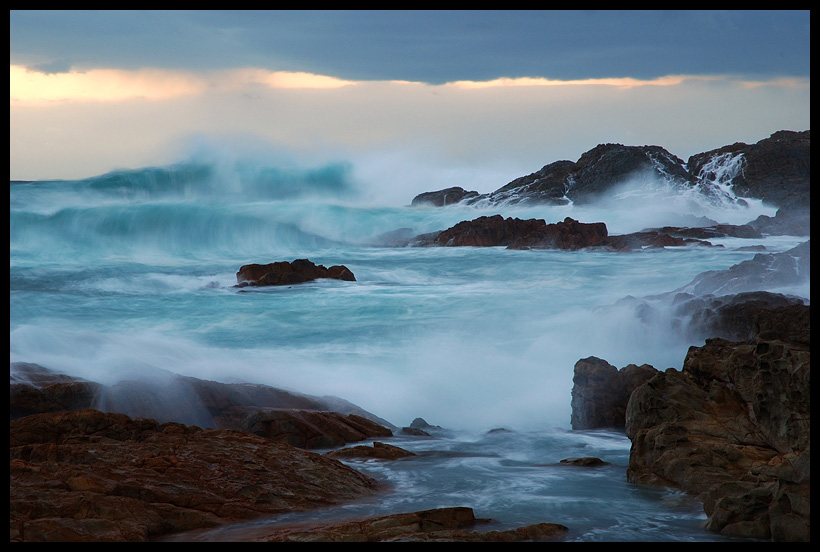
112,85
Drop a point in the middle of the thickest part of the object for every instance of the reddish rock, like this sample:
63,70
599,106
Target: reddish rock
733,428
91,476
287,273
381,451
584,461
437,525
312,429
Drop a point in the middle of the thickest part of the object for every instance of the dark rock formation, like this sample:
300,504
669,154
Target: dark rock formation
569,234
437,525
733,427
285,273
380,451
600,392
744,316
776,169
91,476
167,397
764,271
584,461
597,172
441,198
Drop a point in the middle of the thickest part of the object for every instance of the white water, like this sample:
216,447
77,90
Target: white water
132,273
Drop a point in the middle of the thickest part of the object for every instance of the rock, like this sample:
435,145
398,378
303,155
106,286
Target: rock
487,231
744,316
34,389
437,525
381,451
764,271
585,461
733,427
569,234
776,169
441,198
415,431
600,392
92,476
746,231
287,273
310,428
167,397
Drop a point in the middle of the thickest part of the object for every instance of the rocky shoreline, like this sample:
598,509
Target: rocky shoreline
731,427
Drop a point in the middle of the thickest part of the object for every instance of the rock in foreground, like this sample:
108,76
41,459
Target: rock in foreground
733,427
437,525
92,476
285,273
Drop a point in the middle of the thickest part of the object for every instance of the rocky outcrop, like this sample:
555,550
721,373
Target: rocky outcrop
92,476
380,451
311,429
437,525
568,234
733,427
286,273
744,316
597,172
441,198
775,169
167,397
764,271
600,392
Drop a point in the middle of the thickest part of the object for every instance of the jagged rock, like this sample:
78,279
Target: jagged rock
285,273
776,169
733,427
437,525
600,392
92,476
381,451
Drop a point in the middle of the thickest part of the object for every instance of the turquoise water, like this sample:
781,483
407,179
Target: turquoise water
133,272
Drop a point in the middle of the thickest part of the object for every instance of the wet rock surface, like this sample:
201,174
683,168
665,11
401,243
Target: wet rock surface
284,273
92,476
437,525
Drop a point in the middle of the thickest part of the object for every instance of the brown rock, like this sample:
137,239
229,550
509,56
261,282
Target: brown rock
584,461
381,451
285,273
91,476
312,429
733,428
437,525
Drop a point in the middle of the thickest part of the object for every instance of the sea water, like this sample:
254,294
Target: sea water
132,275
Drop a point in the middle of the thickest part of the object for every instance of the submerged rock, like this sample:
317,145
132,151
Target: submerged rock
285,273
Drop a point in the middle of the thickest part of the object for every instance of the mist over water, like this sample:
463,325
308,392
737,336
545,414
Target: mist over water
130,276
134,270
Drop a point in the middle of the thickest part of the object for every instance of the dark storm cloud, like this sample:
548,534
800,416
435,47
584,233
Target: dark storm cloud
427,46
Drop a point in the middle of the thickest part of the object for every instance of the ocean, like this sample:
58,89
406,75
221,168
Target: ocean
131,274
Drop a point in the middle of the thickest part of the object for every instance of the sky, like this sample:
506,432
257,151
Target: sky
414,100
